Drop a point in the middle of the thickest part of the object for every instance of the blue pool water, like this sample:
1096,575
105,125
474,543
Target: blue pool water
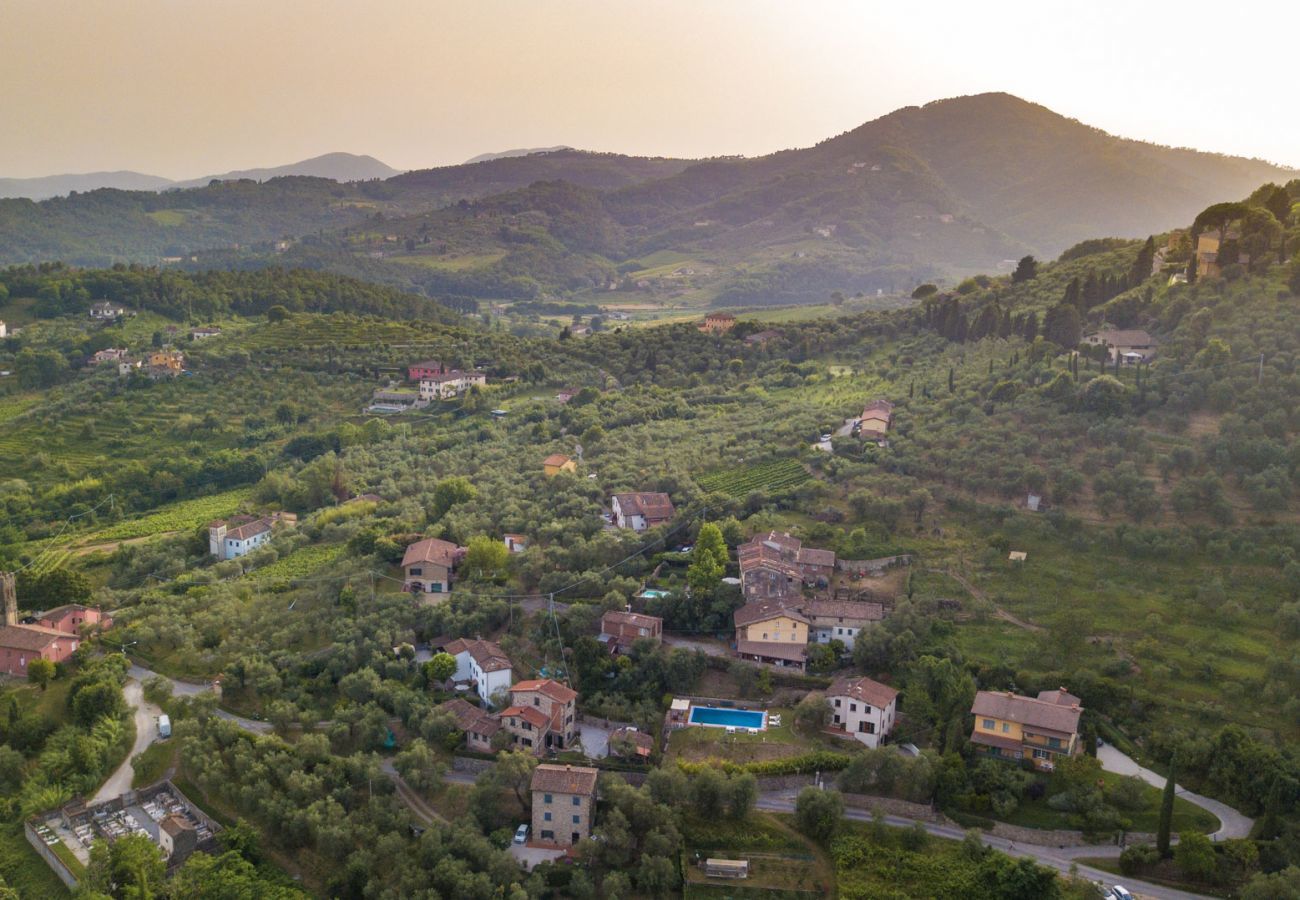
740,718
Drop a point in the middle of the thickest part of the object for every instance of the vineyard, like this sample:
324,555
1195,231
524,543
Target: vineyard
183,516
771,478
300,563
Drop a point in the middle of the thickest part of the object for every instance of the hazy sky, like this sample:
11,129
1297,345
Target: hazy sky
184,88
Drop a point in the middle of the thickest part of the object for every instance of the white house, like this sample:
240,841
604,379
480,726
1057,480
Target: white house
242,535
642,510
4,329
104,310
862,709
483,664
516,543
448,384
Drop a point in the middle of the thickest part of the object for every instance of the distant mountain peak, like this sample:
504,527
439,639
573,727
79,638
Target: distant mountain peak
521,151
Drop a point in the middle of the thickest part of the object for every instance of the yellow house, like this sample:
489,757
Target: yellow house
556,463
1041,729
769,631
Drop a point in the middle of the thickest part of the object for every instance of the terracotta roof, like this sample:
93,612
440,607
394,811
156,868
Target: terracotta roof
555,459
1060,696
470,718
29,637
1134,337
773,649
489,656
176,824
565,779
652,505
1027,711
762,610
548,686
995,740
878,406
855,610
638,620
66,609
864,689
530,714
812,557
252,529
762,336
431,550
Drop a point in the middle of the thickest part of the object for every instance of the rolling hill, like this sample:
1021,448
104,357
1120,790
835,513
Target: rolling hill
950,188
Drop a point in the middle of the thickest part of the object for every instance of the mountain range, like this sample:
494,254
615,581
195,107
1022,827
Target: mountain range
953,187
336,166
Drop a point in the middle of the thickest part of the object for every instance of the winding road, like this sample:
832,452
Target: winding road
1233,824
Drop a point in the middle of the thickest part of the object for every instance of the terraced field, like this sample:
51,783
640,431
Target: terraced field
771,478
183,516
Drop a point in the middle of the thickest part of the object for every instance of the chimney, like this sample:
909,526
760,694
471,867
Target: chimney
9,594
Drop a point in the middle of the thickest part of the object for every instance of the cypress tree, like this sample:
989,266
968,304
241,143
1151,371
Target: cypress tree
951,384
1166,814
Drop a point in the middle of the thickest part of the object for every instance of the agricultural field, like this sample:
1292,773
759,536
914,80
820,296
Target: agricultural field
182,516
299,564
771,478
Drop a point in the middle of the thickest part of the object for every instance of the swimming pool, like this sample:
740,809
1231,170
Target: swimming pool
724,718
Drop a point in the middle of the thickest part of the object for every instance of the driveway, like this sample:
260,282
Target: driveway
1060,859
146,729
1232,824
528,856
595,740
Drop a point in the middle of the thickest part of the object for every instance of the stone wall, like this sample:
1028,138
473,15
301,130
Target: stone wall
893,807
49,856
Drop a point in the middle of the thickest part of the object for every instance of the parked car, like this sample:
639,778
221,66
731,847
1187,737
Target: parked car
521,834
827,437
1119,892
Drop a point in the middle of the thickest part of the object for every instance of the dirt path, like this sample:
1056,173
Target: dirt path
998,611
113,545
146,730
421,810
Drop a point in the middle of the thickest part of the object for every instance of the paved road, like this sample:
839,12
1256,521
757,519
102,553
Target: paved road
1054,858
1232,824
146,729
190,689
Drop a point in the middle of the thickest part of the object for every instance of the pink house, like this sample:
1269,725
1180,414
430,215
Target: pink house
69,619
427,369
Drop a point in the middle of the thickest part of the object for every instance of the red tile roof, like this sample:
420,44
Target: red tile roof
864,689
637,620
530,714
489,656
555,459
32,638
548,687
565,780
1027,711
430,550
995,740
762,610
651,505
252,529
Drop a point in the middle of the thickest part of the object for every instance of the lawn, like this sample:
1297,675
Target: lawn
153,763
1187,816
696,743
23,869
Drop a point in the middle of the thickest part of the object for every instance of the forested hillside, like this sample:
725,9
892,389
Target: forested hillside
955,187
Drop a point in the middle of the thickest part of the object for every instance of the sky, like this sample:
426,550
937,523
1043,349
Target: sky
186,88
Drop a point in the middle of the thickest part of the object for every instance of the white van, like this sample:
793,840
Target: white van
164,726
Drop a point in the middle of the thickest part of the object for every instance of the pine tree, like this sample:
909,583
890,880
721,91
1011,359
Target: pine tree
1166,814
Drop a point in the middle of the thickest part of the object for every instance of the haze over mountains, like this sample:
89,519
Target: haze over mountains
336,166
956,186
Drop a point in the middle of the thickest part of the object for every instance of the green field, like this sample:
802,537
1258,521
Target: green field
168,217
300,563
184,515
772,477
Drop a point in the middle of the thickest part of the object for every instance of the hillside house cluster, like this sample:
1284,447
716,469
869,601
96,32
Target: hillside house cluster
619,629
1129,346
874,423
777,621
540,716
429,566
483,665
862,709
241,535
564,804
641,510
106,311
55,635
1040,729
556,463
438,381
